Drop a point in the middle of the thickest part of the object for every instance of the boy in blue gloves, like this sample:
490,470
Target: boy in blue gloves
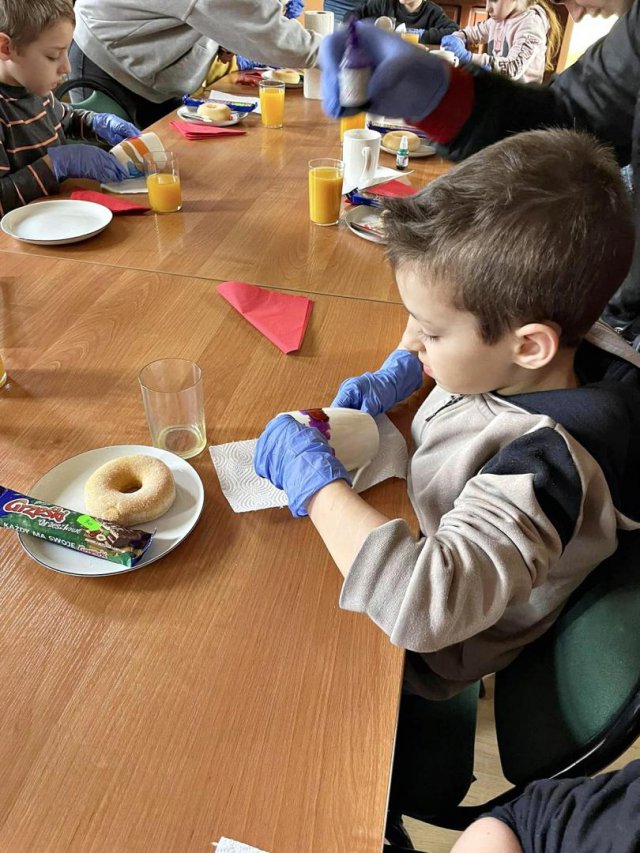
34,38
519,476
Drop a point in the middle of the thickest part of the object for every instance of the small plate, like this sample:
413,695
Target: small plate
424,150
362,216
191,114
268,75
130,185
54,223
64,485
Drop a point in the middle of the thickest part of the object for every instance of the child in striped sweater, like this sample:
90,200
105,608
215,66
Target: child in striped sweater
34,125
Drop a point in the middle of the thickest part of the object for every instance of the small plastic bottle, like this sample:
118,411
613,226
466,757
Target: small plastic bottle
354,72
402,157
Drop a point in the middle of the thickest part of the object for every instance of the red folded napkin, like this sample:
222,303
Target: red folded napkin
116,205
393,189
279,316
191,130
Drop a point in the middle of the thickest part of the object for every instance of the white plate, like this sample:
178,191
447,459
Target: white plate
64,485
191,114
360,215
424,150
52,223
130,185
268,75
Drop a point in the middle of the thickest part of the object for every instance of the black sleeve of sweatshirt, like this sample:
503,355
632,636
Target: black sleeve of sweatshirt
371,9
436,24
598,94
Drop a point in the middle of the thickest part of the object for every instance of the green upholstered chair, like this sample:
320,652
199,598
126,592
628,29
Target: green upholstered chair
570,703
101,99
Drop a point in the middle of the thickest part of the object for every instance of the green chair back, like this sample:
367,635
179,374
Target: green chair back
572,699
101,103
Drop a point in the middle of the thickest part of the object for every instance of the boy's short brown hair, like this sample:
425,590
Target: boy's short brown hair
535,228
25,20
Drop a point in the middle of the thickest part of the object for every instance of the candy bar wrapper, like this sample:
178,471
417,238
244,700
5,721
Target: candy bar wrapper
93,536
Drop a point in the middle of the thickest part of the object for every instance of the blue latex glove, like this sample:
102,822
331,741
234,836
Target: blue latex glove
404,81
244,63
294,8
113,129
85,161
374,393
456,45
298,459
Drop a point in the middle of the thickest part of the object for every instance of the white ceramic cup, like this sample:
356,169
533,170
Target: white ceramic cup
360,153
130,153
447,55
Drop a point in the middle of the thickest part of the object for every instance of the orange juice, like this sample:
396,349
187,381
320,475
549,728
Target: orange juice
272,105
165,194
356,122
325,194
412,37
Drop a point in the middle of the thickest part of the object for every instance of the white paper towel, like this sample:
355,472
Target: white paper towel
245,491
228,845
321,23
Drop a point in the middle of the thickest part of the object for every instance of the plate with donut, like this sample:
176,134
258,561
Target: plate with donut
291,77
418,147
219,115
171,492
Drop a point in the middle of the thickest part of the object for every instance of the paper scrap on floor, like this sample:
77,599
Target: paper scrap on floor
246,492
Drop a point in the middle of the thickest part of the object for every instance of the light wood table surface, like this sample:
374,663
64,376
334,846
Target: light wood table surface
219,691
246,214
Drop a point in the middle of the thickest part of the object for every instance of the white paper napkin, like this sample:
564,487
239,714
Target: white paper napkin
245,491
228,845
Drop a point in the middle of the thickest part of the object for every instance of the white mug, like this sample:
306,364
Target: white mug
447,55
360,152
130,153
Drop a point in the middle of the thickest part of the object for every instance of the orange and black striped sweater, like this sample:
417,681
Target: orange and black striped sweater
29,124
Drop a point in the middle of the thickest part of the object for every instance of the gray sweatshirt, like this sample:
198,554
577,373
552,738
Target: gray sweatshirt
518,498
161,49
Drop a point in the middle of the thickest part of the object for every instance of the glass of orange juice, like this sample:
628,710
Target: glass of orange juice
325,190
163,181
356,122
271,103
412,35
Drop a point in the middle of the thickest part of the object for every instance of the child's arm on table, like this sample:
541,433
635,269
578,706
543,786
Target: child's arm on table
343,520
26,184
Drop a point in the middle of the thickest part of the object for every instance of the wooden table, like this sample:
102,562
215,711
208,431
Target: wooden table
246,216
219,691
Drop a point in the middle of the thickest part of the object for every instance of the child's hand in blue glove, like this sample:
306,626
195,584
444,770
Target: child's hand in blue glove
113,129
85,161
456,45
374,393
298,459
404,81
294,8
244,63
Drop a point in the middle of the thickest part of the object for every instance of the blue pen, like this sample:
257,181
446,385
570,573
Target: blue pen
239,108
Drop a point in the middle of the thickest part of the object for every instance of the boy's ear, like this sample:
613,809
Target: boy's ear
6,50
536,345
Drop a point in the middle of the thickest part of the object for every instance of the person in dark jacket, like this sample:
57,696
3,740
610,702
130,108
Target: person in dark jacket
563,816
465,110
414,14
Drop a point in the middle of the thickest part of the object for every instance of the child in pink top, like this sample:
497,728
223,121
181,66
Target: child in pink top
520,37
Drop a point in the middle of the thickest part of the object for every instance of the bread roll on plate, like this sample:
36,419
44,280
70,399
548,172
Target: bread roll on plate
393,139
214,112
286,75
